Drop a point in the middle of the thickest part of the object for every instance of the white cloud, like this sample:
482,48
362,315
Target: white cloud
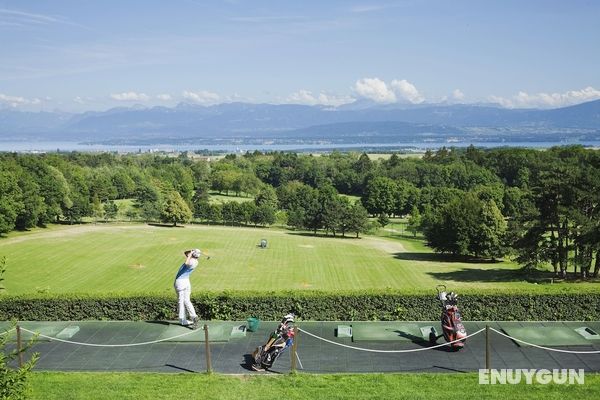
547,100
307,97
407,91
374,89
164,97
397,91
130,96
458,95
17,101
202,97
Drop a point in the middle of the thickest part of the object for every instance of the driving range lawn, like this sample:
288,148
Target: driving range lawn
82,385
140,258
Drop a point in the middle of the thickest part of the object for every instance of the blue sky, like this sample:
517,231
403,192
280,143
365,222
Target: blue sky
92,55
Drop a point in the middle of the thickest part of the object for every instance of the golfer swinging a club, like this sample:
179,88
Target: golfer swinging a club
184,288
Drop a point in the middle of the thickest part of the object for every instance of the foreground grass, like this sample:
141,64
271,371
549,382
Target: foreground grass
81,385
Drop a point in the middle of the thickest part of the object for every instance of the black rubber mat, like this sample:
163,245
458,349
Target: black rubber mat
314,354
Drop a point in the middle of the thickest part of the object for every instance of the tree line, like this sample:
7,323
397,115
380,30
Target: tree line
540,207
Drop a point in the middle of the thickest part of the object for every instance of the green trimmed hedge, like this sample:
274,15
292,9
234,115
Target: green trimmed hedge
308,305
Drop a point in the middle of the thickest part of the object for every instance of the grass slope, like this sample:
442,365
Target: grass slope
80,385
138,258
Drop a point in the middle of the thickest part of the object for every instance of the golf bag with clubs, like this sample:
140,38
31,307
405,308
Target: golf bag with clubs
452,326
281,338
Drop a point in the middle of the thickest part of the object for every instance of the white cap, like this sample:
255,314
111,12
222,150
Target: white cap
196,253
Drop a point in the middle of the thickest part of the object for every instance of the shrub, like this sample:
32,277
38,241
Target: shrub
385,305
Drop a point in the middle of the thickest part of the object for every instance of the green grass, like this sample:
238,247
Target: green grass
124,205
222,198
81,385
353,199
138,258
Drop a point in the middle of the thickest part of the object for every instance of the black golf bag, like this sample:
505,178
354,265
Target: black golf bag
451,320
283,337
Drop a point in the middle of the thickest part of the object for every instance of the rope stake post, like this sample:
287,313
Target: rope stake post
487,347
294,348
19,346
207,347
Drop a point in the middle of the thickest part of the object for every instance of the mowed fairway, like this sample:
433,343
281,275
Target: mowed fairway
138,258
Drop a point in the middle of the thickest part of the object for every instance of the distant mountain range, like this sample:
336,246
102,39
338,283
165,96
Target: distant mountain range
287,123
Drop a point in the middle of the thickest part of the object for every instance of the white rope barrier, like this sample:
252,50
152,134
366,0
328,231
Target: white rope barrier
543,347
107,345
319,338
391,351
8,331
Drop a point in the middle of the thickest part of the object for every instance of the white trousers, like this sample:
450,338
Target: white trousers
184,290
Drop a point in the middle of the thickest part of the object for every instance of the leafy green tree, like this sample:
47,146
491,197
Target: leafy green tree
466,226
148,201
296,218
202,193
111,209
132,213
200,173
54,188
33,203
264,214
123,184
215,213
97,209
266,196
333,215
383,220
151,212
407,196
437,197
147,192
363,165
246,210
11,201
380,196
78,193
290,194
414,221
223,180
201,209
175,209
357,220
245,183
488,239
232,213
101,185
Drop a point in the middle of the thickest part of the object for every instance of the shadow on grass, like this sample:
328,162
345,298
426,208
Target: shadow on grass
447,258
320,234
165,225
491,275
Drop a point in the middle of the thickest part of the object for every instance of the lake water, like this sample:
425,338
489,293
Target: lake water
26,146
